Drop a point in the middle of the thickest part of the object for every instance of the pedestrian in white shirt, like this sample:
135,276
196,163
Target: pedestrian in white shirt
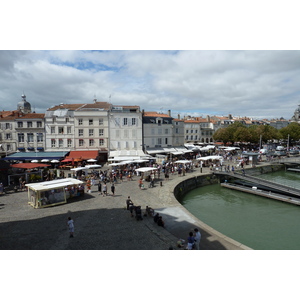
197,236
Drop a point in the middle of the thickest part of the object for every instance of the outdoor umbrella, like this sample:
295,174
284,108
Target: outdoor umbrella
45,160
93,166
91,160
55,161
34,161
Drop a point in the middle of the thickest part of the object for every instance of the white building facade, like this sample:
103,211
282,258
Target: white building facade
125,132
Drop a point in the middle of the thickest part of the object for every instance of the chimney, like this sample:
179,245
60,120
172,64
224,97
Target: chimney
208,118
178,116
169,113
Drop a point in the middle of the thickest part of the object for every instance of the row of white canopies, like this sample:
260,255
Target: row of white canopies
57,161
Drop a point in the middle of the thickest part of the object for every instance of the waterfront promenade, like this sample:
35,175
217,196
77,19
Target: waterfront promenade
103,223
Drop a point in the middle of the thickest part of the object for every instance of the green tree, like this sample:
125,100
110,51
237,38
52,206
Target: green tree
242,134
292,130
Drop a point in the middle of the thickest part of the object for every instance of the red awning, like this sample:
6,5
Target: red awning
29,165
83,154
66,160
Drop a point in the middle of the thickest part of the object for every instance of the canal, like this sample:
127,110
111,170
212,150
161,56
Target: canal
257,222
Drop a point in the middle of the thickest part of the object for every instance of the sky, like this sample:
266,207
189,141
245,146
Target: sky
161,56
258,84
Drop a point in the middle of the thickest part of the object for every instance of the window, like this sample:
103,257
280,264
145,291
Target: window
101,142
166,141
91,132
159,131
29,124
39,137
8,147
80,132
196,131
60,130
159,141
192,137
152,131
192,131
176,130
80,142
101,121
79,121
125,121
29,137
91,121
133,132
159,122
69,143
69,130
60,143
39,124
126,145
67,120
187,137
166,131
91,142
187,131
133,121
101,132
21,137
53,143
8,136
52,129
7,126
20,124
196,137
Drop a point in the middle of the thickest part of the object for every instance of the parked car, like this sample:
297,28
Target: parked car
280,153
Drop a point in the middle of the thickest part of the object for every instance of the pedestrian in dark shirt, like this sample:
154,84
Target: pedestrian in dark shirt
99,187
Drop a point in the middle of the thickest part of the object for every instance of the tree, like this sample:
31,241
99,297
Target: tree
292,130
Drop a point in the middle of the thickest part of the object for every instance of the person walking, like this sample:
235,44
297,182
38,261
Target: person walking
104,190
99,187
128,202
191,241
70,224
197,237
113,188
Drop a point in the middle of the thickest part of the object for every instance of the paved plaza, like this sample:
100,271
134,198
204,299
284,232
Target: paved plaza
103,223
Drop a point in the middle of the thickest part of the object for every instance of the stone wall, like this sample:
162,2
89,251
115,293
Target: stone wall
206,179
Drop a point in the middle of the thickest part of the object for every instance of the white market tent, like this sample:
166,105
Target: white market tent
145,169
183,162
212,157
91,160
79,169
93,166
50,193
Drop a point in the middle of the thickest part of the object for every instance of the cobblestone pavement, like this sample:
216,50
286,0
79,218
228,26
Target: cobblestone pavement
103,223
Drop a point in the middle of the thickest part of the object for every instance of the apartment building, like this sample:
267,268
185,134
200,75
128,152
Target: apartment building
60,127
158,132
91,126
125,132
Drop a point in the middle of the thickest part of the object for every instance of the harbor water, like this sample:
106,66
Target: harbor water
257,222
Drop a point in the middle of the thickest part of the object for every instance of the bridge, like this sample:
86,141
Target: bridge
247,180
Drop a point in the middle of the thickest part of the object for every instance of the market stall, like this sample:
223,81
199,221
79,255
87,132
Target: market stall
54,192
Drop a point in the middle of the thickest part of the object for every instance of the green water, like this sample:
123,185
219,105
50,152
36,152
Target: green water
258,222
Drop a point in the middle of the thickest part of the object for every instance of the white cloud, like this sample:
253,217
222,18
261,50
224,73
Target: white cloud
253,83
